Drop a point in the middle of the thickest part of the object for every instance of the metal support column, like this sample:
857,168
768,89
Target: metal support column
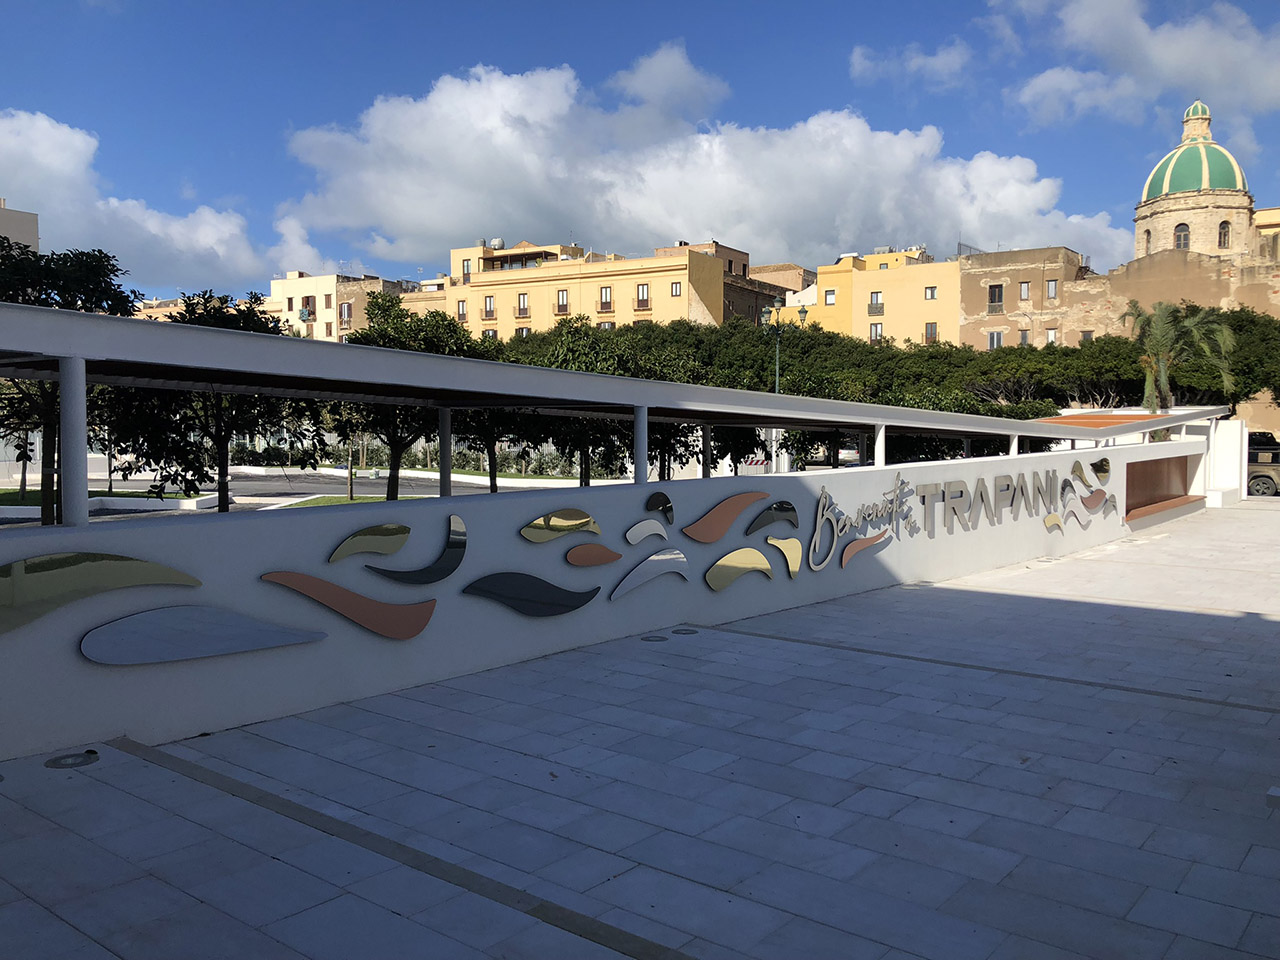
879,454
707,452
1013,445
640,445
446,452
74,441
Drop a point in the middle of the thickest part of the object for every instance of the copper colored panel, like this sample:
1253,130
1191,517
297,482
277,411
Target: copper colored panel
38,585
791,549
715,523
857,546
385,538
1094,500
779,511
558,523
1152,481
591,555
661,503
455,548
396,621
733,565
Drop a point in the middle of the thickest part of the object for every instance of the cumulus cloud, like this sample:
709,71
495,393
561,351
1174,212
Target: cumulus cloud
938,70
1064,93
533,156
47,167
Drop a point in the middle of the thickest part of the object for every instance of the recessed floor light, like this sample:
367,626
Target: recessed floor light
69,761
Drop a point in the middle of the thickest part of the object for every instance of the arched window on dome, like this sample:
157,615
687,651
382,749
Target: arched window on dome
1224,235
1146,244
1182,237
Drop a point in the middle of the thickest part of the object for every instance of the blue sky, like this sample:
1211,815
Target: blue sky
217,144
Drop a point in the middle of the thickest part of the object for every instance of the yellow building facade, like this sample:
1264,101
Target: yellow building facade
900,294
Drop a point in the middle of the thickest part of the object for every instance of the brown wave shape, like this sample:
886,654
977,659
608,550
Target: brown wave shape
715,523
395,621
1094,500
857,546
591,555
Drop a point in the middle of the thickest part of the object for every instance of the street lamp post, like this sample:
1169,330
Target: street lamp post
777,343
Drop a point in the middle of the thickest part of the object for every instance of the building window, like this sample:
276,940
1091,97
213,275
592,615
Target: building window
744,269
328,301
931,293
884,266
1051,335
522,304
930,333
675,288
1224,235
995,339
466,269
462,311
308,311
606,301
488,308
731,266
877,296
606,324
344,310
829,298
288,304
995,298
522,332
328,331
1024,337
1051,289
1146,243
877,333
1086,336
490,334
562,302
343,338
642,296
1182,237
1024,290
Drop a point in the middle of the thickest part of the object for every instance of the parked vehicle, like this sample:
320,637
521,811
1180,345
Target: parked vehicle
1264,464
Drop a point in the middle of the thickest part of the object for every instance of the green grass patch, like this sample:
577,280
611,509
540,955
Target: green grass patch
10,498
335,501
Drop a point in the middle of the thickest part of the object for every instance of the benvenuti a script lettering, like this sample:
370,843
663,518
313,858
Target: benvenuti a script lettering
961,505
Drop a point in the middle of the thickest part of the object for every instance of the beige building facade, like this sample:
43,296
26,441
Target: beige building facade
19,226
327,307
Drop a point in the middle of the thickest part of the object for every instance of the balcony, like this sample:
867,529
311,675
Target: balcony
488,315
995,308
638,304
522,313
875,309
604,306
562,309
929,341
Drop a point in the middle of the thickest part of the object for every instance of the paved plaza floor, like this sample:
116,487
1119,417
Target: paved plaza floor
1066,758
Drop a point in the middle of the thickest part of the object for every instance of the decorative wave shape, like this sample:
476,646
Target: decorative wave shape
715,523
1101,469
1109,506
559,523
646,528
791,550
395,621
35,586
652,566
1067,488
1073,513
1094,500
591,555
1077,471
857,546
1054,521
455,548
661,503
777,512
734,565
529,595
169,634
385,538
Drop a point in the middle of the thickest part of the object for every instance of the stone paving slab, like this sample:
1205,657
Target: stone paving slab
1026,763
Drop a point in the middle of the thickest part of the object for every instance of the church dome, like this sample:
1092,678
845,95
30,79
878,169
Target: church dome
1197,163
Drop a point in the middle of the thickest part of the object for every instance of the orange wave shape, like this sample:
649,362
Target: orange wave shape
1094,500
857,546
715,523
395,621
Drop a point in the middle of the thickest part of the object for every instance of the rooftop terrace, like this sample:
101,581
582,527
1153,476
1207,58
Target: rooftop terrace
1068,757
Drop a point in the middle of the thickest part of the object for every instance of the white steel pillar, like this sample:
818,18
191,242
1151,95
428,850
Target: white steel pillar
879,454
1013,445
74,441
640,444
446,452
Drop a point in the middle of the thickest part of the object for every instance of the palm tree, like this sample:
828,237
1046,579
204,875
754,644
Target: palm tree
1169,335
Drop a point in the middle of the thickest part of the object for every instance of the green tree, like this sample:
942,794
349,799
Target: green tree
83,280
143,422
1168,336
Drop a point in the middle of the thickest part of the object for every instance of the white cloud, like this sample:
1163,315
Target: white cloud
938,70
47,168
417,176
1063,93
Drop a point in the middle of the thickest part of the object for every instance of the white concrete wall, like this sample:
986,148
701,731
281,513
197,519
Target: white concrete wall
52,697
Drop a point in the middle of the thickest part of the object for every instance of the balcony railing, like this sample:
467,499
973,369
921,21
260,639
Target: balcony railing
488,315
930,339
562,309
521,313
995,308
604,306
638,304
875,309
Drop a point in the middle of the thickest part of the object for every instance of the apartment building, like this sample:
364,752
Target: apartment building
19,226
327,307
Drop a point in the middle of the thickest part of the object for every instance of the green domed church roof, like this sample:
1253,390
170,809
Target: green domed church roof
1197,163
